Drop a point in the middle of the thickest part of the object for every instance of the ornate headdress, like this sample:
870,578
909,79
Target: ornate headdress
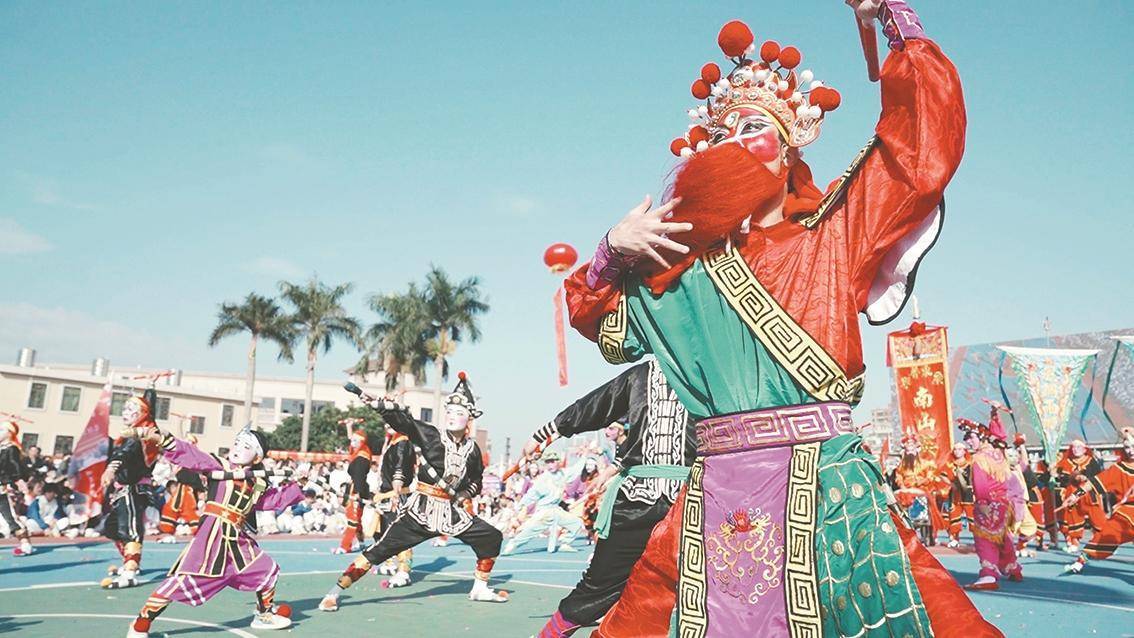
795,102
462,395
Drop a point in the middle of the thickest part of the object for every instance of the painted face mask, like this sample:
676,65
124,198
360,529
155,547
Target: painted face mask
135,411
752,129
245,449
456,418
1078,449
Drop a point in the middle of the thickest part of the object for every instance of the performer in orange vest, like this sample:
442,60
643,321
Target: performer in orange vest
1118,528
356,496
958,476
1077,461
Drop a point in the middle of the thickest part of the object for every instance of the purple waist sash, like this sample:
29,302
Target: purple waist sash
773,427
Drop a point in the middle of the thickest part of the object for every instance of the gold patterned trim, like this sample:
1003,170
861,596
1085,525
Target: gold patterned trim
836,194
802,592
804,359
692,588
612,334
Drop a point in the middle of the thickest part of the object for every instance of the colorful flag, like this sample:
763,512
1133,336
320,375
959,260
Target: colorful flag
920,358
88,459
1048,379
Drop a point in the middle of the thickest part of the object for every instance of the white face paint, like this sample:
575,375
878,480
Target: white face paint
131,413
1013,457
972,441
1078,449
456,417
244,451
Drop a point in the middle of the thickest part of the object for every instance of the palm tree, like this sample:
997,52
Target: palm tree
319,316
398,340
452,311
263,318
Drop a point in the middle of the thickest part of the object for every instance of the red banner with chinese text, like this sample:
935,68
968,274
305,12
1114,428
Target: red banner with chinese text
919,356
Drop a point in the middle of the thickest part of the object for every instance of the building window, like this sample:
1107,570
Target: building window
196,425
117,402
70,400
63,444
226,413
291,406
427,415
37,396
268,404
316,406
29,439
162,412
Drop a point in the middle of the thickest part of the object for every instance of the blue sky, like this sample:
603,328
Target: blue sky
158,159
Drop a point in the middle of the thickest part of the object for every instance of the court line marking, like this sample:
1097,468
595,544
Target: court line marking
1061,600
177,548
195,623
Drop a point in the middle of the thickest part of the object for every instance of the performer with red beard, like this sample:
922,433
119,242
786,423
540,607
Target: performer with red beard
754,326
1077,462
356,496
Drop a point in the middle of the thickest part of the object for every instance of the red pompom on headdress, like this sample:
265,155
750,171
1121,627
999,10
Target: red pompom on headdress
677,145
735,38
698,134
795,100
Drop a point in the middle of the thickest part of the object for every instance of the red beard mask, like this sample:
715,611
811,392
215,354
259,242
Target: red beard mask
719,189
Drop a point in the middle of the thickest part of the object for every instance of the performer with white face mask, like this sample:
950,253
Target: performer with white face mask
449,475
223,553
127,484
11,474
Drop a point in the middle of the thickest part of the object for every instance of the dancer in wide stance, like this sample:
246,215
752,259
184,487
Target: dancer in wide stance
1117,528
652,458
545,497
745,286
222,553
448,476
128,485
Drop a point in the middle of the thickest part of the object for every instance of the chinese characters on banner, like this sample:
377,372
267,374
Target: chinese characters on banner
919,356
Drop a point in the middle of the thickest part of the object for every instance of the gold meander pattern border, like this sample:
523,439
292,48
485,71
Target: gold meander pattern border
692,587
802,590
803,358
612,334
836,194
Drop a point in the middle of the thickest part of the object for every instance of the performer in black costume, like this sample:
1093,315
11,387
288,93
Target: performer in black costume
12,471
356,496
128,488
449,476
653,456
395,470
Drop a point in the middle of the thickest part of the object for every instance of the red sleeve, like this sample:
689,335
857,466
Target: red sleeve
900,184
586,306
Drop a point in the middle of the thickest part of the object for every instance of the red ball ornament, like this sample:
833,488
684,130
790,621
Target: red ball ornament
790,57
825,98
561,257
734,38
463,376
710,73
677,144
284,610
700,89
769,51
698,134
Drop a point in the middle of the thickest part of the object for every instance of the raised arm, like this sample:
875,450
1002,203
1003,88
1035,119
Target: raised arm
187,455
892,205
598,408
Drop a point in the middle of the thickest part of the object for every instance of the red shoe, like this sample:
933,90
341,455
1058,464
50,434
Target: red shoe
1016,577
983,586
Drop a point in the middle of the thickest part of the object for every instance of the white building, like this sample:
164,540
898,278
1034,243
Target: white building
59,399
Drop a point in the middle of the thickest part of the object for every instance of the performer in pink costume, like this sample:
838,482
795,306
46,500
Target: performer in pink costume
999,500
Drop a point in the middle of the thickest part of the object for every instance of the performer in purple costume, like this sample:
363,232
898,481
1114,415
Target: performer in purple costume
223,553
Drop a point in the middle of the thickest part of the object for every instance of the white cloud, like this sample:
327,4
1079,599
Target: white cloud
46,191
274,267
60,335
17,240
518,205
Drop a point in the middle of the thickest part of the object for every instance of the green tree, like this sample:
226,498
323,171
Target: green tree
452,310
396,343
262,318
320,318
325,433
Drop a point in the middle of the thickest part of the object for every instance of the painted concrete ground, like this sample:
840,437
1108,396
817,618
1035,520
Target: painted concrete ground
55,593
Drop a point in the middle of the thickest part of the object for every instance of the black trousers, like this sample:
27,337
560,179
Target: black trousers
405,533
8,511
126,520
605,578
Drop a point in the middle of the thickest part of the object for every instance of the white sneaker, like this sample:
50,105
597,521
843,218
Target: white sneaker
132,633
509,547
126,578
953,543
400,579
25,549
167,539
269,620
567,548
388,568
481,592
1073,568
329,603
1071,548
338,551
